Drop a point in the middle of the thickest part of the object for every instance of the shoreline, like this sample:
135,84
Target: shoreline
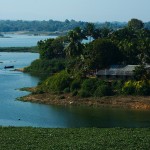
130,102
19,69
31,49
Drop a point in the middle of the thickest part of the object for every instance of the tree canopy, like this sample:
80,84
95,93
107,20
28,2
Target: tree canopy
135,24
126,46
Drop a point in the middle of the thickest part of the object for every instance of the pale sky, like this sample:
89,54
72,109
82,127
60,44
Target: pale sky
84,10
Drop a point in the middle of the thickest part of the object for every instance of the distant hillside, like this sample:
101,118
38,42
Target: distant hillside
50,26
54,26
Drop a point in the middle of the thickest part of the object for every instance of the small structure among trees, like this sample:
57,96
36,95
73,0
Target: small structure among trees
120,71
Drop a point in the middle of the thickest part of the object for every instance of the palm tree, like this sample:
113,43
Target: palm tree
74,46
90,30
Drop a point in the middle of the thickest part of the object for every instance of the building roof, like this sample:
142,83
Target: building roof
119,70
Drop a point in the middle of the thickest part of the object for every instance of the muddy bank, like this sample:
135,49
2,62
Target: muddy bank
19,69
132,102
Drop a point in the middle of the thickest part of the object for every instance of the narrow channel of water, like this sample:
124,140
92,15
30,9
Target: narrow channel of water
14,40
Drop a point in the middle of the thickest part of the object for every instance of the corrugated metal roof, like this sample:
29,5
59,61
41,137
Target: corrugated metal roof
119,70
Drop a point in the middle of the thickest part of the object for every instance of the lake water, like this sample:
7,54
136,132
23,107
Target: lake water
17,113
15,40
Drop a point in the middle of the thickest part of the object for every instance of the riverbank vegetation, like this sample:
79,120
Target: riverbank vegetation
19,49
84,138
71,61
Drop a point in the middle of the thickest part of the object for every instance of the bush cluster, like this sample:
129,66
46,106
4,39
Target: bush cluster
103,90
136,88
56,83
47,67
62,82
117,86
95,88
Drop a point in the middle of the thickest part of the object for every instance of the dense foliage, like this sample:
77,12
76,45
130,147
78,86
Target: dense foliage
19,49
103,47
102,53
46,68
136,88
52,48
81,138
56,83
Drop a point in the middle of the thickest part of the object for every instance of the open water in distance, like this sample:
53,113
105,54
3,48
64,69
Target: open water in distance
15,40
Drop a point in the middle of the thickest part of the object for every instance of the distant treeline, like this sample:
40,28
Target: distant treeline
51,25
147,25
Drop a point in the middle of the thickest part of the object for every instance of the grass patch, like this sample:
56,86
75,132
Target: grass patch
33,49
12,138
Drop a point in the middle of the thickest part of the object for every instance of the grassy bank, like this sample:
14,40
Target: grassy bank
85,138
19,49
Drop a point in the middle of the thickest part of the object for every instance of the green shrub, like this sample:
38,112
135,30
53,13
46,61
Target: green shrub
136,88
103,90
75,85
75,93
83,93
142,88
46,67
117,86
89,85
67,90
56,83
129,88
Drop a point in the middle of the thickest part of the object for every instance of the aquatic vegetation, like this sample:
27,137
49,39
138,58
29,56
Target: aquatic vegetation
80,138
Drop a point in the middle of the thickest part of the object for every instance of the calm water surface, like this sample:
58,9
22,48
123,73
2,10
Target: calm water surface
15,40
16,113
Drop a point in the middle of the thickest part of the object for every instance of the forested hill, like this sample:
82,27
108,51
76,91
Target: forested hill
51,25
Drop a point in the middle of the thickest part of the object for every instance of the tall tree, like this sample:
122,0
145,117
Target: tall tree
52,48
101,54
135,24
90,30
45,49
74,46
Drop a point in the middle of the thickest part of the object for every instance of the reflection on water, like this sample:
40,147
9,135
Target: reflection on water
16,113
104,117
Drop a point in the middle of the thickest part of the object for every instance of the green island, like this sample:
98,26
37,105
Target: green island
67,139
95,67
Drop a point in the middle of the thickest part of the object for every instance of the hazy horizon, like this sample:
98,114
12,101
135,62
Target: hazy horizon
79,10
72,19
